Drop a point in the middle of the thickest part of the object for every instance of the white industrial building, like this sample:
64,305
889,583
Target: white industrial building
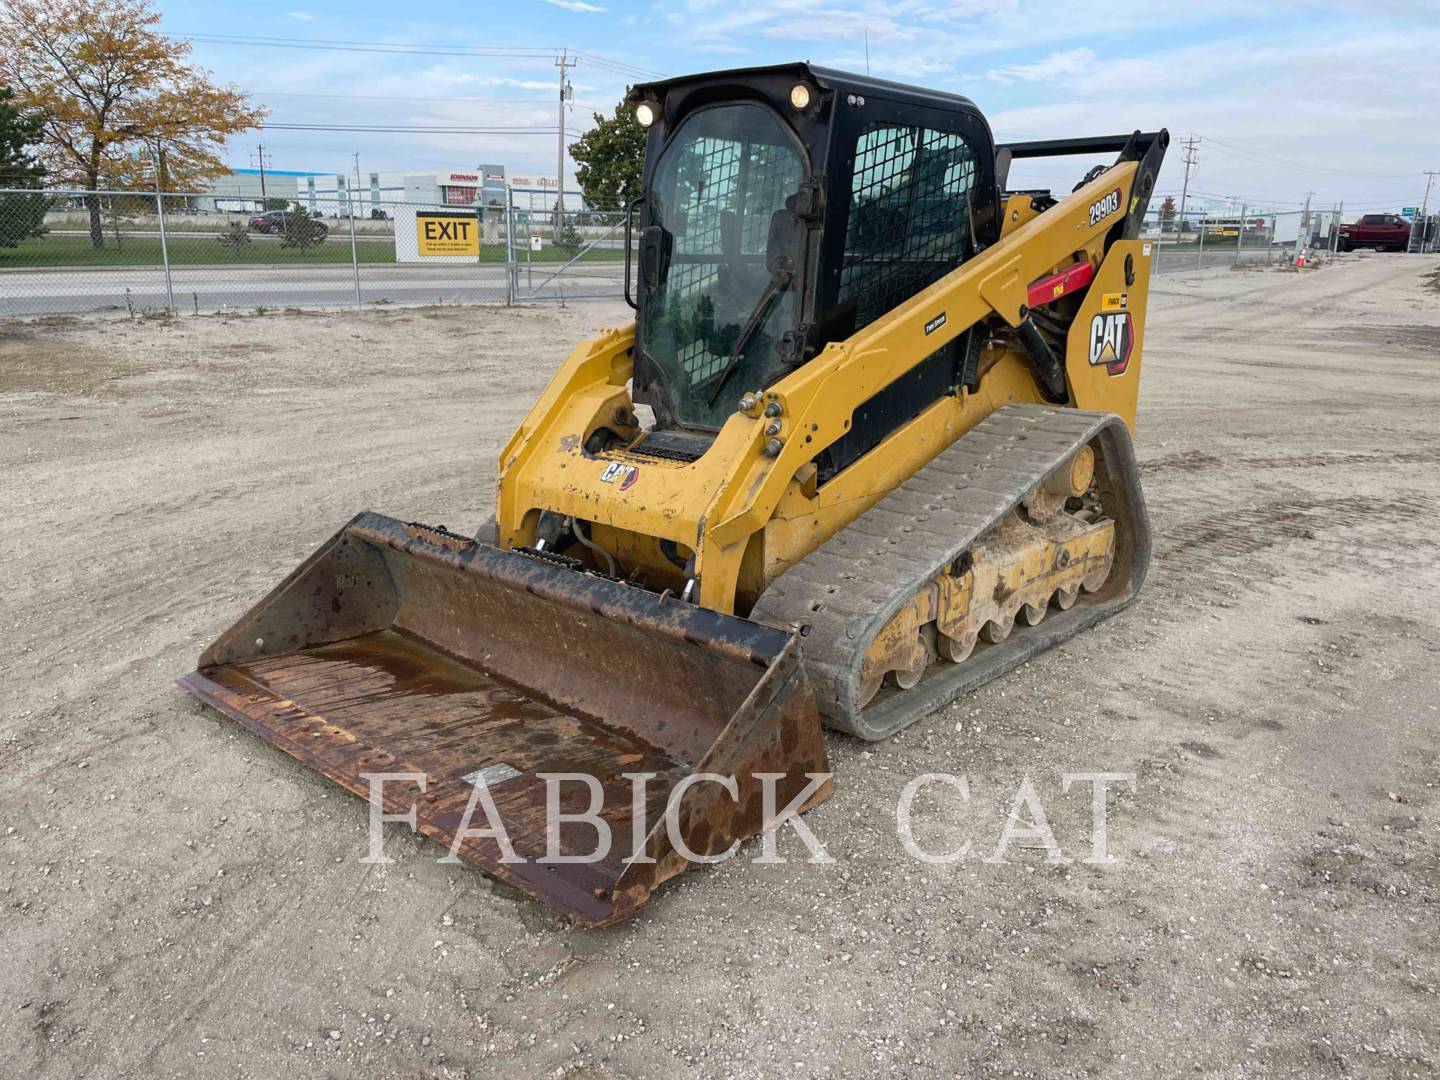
329,194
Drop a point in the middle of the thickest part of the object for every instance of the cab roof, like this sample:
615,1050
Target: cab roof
843,82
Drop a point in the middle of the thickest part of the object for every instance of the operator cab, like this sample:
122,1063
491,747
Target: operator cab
785,208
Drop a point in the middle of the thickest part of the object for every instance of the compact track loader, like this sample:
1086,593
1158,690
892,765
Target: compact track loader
865,446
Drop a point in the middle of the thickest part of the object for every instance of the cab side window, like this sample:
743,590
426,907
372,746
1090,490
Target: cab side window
909,221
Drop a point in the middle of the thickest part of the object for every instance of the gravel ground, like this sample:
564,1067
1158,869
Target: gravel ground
181,900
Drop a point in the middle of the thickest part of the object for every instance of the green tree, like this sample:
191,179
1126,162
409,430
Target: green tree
236,237
21,216
568,237
610,157
302,231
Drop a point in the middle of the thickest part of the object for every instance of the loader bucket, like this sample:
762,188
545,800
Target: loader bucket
400,648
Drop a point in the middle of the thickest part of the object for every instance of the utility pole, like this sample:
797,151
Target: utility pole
1424,208
564,63
260,157
1191,160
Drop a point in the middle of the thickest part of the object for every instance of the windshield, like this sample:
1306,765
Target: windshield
725,173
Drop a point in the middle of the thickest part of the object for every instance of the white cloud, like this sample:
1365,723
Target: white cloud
578,5
1058,65
519,84
303,16
1276,118
1296,80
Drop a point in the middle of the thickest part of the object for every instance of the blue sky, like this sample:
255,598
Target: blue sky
1339,98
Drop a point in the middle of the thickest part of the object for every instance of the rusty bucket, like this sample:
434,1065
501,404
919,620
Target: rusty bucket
403,649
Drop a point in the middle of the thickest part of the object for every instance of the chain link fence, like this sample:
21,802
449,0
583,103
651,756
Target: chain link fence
1210,240
83,251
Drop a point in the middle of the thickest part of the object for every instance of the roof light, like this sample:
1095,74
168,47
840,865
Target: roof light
800,96
645,114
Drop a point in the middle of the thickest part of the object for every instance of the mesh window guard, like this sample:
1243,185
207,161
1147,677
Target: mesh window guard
909,221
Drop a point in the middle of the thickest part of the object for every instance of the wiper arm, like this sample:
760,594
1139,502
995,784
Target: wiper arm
778,283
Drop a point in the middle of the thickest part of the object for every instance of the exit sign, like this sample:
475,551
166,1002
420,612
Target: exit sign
446,234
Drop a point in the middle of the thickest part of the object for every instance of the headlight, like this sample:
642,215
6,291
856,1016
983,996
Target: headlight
800,95
645,114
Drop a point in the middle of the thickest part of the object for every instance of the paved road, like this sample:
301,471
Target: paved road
44,292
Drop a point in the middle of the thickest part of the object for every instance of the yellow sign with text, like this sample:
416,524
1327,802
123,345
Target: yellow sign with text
440,233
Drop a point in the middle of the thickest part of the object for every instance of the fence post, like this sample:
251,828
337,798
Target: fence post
164,245
511,283
1200,251
354,254
1240,232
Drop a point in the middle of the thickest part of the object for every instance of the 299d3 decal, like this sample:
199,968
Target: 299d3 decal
1102,208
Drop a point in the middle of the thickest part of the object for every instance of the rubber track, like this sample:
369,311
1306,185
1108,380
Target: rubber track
842,594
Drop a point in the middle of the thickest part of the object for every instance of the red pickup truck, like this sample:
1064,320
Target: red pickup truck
1383,232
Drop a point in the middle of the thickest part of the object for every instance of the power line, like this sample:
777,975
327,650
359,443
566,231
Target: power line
605,61
500,129
402,47
536,102
388,97
597,60
1264,158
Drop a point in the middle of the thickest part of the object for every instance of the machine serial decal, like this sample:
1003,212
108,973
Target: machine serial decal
935,324
619,472
1100,209
1111,341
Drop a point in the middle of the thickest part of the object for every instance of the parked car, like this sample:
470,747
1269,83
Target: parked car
1383,232
274,221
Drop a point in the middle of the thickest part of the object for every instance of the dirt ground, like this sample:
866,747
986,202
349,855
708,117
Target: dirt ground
181,900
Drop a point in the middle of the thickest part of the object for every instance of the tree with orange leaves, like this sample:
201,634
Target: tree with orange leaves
117,98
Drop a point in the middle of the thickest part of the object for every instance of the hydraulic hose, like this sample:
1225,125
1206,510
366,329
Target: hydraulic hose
609,559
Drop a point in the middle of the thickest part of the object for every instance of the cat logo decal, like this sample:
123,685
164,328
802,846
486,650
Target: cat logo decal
1112,340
